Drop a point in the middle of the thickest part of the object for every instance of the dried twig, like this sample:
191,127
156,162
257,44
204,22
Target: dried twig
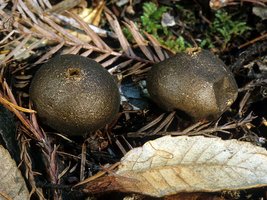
153,128
25,157
204,130
99,174
201,129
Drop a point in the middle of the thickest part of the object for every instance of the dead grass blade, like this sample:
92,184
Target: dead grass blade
141,42
157,46
135,69
62,31
102,57
33,119
25,157
53,167
44,3
162,123
35,7
204,129
27,11
83,161
109,62
14,51
26,110
72,50
124,64
120,146
7,37
21,116
166,122
117,28
48,29
49,53
151,124
99,174
87,53
46,32
95,38
63,6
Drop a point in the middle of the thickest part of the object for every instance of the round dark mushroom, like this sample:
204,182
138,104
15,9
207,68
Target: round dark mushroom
74,95
197,83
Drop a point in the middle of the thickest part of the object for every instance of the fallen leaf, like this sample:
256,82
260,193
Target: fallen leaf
194,196
171,165
12,183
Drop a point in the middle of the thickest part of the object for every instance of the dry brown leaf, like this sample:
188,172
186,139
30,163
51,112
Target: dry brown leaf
194,196
171,165
98,13
12,183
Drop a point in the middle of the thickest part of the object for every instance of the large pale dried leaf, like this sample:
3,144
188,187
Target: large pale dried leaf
11,181
195,196
170,165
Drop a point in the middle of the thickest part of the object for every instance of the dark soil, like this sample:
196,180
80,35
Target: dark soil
245,54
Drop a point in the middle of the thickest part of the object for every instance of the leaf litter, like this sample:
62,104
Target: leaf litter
153,169
171,165
12,183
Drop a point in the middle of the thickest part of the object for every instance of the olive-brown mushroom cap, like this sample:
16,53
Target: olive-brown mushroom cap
74,95
198,84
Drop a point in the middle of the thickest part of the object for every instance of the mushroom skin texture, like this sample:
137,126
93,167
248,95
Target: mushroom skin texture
197,83
74,95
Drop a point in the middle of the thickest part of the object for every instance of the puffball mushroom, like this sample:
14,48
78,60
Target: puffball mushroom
74,95
197,83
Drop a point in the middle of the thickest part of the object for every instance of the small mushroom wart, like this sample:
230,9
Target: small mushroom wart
74,95
197,83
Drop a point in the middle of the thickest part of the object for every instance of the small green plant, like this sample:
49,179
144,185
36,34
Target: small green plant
187,16
179,44
225,28
151,23
221,31
206,43
151,18
127,33
228,28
